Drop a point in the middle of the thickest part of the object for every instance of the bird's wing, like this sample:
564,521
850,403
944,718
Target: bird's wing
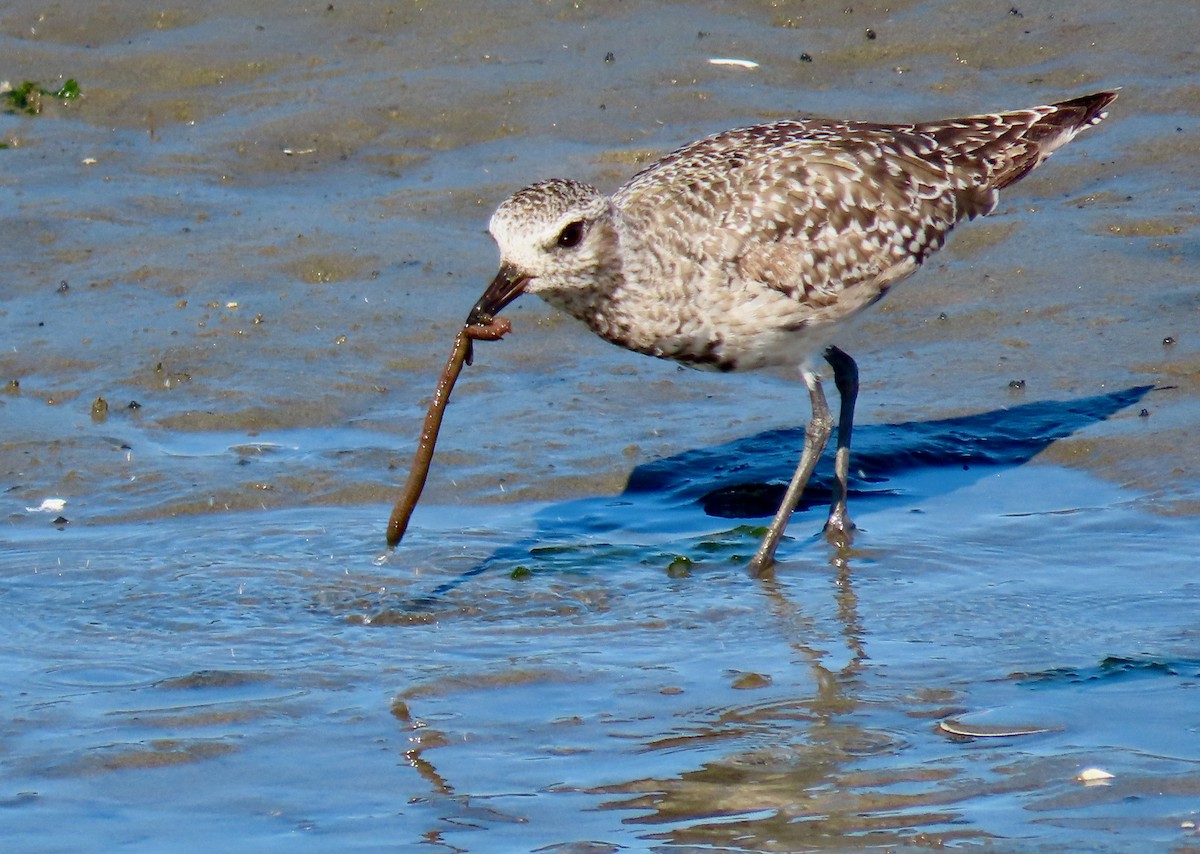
813,208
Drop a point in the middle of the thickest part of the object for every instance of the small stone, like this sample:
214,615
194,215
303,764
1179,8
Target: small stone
680,567
750,681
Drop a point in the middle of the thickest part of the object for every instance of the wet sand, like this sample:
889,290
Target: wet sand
264,227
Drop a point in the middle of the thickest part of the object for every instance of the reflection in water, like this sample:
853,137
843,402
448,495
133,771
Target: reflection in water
810,750
784,769
794,790
422,739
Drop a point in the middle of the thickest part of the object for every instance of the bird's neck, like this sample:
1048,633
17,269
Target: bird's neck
623,302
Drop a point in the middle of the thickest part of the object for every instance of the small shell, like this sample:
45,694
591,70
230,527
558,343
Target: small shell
49,505
1094,777
738,63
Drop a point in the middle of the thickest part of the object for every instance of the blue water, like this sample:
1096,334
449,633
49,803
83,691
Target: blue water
266,680
206,644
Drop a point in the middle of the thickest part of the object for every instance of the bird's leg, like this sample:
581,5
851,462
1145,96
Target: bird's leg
845,376
816,435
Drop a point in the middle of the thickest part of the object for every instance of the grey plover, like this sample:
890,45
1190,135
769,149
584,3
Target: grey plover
747,249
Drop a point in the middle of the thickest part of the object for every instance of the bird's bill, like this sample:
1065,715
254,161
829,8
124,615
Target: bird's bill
506,287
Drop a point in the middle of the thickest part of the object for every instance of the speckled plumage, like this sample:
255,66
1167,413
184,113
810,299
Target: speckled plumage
742,249
745,249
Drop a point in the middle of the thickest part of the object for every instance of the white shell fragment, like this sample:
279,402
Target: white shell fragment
737,63
49,505
1094,777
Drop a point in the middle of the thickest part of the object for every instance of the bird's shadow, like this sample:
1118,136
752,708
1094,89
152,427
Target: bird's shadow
745,478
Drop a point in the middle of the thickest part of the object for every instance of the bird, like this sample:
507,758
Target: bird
751,247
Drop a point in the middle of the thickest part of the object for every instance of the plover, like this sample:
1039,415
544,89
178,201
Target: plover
748,248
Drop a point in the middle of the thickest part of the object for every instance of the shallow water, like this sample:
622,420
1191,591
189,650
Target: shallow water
207,643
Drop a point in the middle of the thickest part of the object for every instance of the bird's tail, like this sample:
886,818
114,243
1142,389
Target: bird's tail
1006,146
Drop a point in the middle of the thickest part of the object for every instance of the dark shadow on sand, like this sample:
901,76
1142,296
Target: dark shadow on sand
745,478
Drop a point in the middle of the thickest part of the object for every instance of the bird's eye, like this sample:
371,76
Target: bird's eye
571,235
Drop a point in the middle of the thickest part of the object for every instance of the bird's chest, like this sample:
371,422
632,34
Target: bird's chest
647,318
683,309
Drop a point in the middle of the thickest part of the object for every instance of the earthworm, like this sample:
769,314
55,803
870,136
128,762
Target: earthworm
493,330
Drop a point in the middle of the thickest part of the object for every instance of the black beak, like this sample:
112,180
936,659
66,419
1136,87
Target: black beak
506,287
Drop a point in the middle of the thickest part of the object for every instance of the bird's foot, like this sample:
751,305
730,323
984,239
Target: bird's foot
839,530
761,566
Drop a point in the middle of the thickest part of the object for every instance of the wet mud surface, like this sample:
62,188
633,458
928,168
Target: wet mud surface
254,237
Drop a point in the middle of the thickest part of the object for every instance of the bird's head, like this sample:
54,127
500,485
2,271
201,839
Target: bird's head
553,236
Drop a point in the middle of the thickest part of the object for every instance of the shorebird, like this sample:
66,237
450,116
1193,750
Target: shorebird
749,248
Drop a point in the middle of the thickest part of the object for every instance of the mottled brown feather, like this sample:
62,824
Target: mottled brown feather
743,249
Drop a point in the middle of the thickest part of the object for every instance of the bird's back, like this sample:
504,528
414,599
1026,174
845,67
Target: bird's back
767,232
